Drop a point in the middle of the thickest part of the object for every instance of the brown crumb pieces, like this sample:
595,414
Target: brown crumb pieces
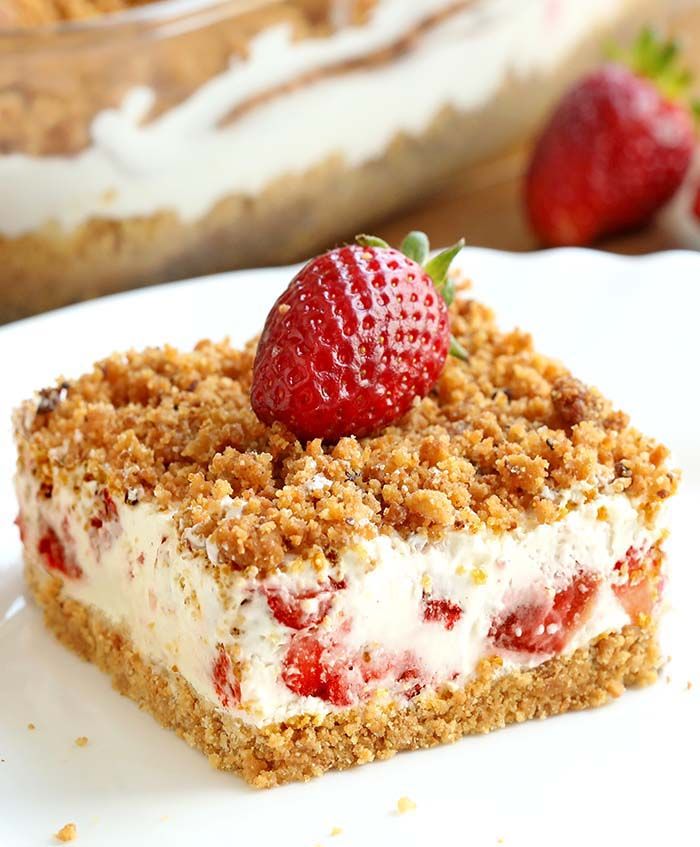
69,832
405,804
689,685
31,727
81,741
574,402
498,440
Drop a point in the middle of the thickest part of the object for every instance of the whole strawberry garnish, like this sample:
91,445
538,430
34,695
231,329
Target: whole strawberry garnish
361,331
615,150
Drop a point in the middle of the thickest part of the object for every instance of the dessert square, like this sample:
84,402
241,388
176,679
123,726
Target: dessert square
290,607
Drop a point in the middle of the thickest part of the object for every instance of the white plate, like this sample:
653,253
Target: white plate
625,774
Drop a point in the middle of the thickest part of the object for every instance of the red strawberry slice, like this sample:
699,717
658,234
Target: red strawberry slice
411,679
360,332
328,671
109,506
642,585
226,685
304,608
342,683
615,150
302,671
53,552
441,611
547,625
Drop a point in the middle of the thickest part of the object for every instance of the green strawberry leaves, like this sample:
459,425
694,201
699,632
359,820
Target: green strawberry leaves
372,241
657,59
437,269
417,247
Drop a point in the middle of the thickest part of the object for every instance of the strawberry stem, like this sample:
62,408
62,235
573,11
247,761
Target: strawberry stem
371,241
457,350
416,246
438,267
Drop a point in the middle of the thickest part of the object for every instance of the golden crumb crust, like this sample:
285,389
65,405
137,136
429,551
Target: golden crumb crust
500,441
307,746
27,13
68,832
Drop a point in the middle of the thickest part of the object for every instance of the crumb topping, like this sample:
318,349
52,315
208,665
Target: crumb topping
66,833
405,804
500,441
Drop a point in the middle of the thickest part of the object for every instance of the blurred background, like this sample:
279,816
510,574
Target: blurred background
143,142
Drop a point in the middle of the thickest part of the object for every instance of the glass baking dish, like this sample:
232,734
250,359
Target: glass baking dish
181,138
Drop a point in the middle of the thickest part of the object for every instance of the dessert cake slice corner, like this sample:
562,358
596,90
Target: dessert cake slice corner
294,607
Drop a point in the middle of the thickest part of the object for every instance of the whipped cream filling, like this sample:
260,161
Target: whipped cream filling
185,161
161,590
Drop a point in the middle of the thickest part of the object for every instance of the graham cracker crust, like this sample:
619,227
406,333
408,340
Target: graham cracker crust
307,746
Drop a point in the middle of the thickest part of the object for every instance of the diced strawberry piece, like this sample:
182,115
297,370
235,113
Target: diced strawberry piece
227,687
327,671
547,625
638,600
641,588
374,665
19,523
441,611
303,609
342,685
110,507
302,671
696,205
53,552
411,678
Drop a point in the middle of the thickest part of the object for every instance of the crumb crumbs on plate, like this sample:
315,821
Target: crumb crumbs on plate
336,830
404,805
689,685
66,833
81,741
31,727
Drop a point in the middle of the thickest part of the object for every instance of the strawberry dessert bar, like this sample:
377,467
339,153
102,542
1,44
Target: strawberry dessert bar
343,542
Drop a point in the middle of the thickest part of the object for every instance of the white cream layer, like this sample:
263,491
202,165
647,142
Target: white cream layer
176,614
184,162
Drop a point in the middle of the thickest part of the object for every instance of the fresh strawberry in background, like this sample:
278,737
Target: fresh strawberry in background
361,331
680,219
616,148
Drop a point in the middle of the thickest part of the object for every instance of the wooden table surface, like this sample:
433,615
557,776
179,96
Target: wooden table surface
485,206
